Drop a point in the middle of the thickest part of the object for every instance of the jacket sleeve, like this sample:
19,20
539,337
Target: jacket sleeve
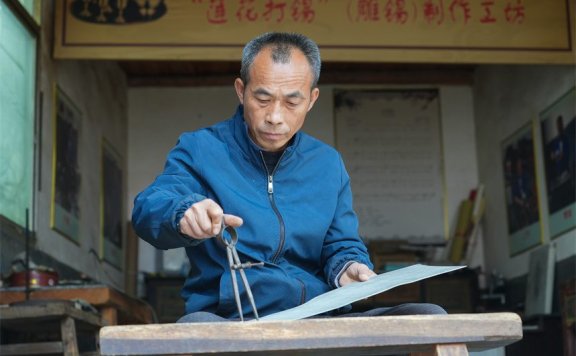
342,244
159,208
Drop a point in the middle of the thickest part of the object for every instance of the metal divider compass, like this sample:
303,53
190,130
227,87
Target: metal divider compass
235,264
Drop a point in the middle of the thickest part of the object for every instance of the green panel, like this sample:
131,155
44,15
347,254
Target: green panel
28,5
17,70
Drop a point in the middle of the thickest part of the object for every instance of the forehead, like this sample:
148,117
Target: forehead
294,58
295,68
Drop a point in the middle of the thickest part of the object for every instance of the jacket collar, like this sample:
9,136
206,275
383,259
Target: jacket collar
249,148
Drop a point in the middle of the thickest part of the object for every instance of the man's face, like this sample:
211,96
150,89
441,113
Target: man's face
276,99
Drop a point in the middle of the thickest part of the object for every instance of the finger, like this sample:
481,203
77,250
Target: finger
215,214
189,226
233,220
196,229
364,276
344,280
201,220
350,274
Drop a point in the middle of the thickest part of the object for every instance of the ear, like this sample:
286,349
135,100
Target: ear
239,86
313,97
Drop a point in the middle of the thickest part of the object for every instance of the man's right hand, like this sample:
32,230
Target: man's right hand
204,220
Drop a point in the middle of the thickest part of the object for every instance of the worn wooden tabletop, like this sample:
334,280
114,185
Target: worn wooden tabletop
418,335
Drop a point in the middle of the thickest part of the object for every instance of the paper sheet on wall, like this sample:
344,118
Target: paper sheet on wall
356,291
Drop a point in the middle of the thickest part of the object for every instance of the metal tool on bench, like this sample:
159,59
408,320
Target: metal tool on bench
235,264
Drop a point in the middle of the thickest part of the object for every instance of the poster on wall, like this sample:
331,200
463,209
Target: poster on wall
111,206
391,143
520,190
66,178
557,124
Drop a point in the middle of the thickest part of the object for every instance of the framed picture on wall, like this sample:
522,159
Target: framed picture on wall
111,206
66,178
558,127
521,194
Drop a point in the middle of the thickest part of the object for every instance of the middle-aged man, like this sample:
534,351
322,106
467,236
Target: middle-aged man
287,194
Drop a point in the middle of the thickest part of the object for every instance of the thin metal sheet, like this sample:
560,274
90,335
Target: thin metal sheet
356,291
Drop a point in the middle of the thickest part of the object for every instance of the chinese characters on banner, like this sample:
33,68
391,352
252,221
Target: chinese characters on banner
430,12
220,12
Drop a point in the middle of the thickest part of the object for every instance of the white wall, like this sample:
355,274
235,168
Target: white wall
158,115
507,98
156,118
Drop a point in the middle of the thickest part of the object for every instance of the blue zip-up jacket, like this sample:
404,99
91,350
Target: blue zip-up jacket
298,219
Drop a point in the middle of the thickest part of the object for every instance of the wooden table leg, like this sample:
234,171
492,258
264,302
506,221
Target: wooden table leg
69,340
109,315
445,350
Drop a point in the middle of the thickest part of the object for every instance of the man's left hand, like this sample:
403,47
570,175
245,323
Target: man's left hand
356,272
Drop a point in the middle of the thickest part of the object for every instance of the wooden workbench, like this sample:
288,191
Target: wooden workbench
418,335
116,307
50,327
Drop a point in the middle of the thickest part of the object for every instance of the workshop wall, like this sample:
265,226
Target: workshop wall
98,89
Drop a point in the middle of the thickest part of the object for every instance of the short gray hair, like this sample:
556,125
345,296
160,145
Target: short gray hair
281,43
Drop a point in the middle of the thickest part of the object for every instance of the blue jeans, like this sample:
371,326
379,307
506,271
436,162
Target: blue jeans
402,309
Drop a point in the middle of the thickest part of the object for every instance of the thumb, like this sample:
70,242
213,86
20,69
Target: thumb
364,273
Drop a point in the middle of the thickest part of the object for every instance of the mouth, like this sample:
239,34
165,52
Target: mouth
272,136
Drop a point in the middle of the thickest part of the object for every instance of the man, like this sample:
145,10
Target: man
287,194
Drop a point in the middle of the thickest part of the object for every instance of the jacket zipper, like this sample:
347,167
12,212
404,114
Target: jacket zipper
274,207
280,220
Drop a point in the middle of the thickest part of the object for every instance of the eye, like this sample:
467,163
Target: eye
293,102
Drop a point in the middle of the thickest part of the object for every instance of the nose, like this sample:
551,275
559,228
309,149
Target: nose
275,115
